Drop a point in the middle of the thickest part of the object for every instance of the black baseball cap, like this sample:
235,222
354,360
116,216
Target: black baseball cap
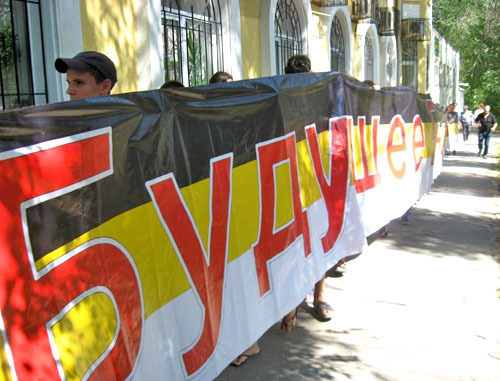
89,61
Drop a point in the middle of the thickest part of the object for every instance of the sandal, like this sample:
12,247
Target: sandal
323,311
289,323
337,271
243,357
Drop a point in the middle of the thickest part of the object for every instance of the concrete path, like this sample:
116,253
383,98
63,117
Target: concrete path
422,304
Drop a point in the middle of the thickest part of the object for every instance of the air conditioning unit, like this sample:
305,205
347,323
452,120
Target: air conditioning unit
415,29
329,3
363,9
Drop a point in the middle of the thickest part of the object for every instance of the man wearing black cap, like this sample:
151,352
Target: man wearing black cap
89,74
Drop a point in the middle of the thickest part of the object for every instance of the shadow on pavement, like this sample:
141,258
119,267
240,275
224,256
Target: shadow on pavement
463,183
435,234
299,355
465,228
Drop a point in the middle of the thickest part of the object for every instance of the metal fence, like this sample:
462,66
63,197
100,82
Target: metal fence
193,43
337,46
22,57
288,33
410,63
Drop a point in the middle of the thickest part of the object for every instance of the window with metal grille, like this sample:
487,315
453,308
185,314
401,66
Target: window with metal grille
337,47
287,33
410,63
192,40
368,59
22,60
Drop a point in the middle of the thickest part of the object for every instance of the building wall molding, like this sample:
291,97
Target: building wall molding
231,32
385,59
267,12
342,13
362,31
62,35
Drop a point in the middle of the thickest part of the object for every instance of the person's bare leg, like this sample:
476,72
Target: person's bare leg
289,321
319,289
251,351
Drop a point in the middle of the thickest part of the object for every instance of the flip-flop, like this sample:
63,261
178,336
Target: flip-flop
383,234
245,357
337,271
289,323
320,310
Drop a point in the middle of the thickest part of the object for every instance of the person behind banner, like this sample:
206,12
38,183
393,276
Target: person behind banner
171,85
372,85
466,119
220,77
296,64
302,64
88,74
487,123
384,230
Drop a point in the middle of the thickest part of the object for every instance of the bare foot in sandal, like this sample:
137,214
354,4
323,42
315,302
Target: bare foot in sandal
323,310
254,350
289,321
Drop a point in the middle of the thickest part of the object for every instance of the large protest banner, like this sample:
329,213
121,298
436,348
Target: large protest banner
156,235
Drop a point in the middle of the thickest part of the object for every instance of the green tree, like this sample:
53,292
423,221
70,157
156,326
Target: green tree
6,48
196,60
472,28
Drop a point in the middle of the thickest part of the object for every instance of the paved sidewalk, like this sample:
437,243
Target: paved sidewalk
421,304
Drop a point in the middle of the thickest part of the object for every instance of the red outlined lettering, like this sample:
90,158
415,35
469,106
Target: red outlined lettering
363,144
206,273
271,241
397,127
30,298
418,145
334,186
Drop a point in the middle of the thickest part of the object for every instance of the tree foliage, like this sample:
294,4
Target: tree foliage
472,28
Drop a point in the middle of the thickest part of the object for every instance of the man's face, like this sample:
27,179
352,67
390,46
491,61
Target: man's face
82,85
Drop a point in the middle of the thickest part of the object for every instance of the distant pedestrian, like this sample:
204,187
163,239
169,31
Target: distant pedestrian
487,123
466,121
479,110
88,74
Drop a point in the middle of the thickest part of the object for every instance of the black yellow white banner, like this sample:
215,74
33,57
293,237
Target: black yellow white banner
156,235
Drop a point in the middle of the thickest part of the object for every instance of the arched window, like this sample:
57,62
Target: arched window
192,39
368,59
287,33
410,63
22,57
337,46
